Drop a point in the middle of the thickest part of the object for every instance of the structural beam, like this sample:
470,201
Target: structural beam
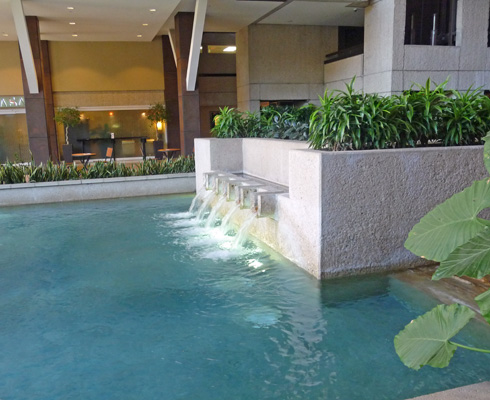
171,37
25,45
196,40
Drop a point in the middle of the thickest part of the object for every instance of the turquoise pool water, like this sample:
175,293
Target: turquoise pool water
132,299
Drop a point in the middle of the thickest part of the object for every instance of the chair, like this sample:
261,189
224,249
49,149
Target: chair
108,154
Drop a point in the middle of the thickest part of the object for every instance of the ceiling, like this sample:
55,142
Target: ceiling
122,20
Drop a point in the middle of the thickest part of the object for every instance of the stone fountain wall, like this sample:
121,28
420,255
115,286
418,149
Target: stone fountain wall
344,213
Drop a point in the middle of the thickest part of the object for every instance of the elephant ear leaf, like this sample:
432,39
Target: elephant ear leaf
470,259
486,152
451,223
483,301
425,341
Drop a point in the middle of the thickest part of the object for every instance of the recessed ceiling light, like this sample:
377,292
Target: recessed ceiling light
153,9
70,8
5,34
72,23
75,35
145,24
139,35
230,48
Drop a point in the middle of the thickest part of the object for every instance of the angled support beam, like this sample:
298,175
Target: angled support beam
197,31
171,37
25,45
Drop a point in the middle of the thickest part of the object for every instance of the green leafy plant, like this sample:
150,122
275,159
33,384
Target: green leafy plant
157,113
229,123
51,172
454,235
69,117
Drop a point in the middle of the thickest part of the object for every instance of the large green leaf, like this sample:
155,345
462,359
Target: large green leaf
483,301
470,259
425,341
451,223
486,152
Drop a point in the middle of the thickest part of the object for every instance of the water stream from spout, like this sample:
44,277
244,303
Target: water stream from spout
214,211
202,209
225,223
198,196
243,231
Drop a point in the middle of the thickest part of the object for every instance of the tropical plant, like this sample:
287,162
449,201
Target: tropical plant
229,123
454,235
466,118
427,106
51,172
157,114
69,117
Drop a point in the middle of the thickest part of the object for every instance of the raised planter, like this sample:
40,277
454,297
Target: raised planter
346,212
95,189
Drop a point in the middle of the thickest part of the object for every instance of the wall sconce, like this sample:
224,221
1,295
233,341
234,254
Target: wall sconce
159,125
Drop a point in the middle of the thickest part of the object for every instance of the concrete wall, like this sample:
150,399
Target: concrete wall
349,212
338,73
262,158
281,62
95,189
90,74
379,46
269,158
388,191
390,66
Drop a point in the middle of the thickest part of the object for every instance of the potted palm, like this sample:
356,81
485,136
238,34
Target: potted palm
158,115
69,117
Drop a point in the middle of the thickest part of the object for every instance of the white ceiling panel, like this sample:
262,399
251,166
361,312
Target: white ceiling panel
332,13
122,20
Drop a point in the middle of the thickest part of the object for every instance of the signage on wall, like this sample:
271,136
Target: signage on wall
12,102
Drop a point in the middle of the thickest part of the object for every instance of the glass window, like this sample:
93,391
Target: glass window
14,143
128,127
431,22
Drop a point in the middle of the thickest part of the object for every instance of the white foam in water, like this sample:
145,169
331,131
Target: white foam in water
263,317
181,215
183,223
220,254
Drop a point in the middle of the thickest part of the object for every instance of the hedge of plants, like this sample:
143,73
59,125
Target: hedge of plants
347,120
51,172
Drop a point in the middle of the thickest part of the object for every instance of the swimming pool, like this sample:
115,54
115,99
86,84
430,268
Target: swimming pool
131,299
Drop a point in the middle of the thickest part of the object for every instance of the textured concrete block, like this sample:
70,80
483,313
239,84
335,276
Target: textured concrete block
217,155
284,91
437,77
96,189
344,69
388,191
378,83
478,391
340,85
269,158
431,58
467,79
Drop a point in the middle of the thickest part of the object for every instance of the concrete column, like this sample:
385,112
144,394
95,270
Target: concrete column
171,94
189,112
41,128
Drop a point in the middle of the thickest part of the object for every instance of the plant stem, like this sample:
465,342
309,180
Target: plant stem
470,348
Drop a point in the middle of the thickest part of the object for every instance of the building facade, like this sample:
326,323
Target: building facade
286,53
